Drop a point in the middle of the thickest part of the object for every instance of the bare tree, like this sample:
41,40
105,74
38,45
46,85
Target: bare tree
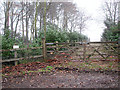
6,11
36,19
111,11
11,17
22,21
64,15
27,20
82,19
119,16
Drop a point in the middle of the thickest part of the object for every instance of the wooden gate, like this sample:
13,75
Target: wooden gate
84,51
99,51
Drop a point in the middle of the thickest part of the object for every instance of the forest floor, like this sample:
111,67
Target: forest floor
62,73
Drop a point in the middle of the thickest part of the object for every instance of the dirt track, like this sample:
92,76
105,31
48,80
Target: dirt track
63,79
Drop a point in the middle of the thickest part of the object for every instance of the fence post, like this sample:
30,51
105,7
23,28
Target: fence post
68,42
75,43
57,46
15,46
15,55
44,49
119,49
72,43
84,52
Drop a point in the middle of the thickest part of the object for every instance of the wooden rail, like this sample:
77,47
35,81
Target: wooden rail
71,47
17,59
20,49
15,54
104,42
80,42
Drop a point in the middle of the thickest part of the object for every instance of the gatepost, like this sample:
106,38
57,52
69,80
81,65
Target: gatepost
44,49
15,46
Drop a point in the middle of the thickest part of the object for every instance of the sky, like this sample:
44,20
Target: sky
93,8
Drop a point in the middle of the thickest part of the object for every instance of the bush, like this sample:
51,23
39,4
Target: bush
56,34
110,35
7,43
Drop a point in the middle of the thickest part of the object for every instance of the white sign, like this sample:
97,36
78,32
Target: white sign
15,46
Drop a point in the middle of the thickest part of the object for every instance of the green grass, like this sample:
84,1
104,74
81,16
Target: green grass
3,75
110,63
70,63
39,70
27,61
49,67
89,65
118,66
23,72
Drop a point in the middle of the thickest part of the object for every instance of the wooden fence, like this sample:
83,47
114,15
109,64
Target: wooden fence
16,59
87,50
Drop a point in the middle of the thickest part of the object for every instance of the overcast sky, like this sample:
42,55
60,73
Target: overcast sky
95,26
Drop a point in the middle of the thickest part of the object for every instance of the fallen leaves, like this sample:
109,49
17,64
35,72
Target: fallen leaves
24,67
32,66
62,53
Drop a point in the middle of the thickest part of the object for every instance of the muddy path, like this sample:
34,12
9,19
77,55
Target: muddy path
63,79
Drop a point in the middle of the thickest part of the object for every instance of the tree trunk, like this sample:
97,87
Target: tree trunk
115,10
58,22
12,22
32,31
71,27
119,16
36,21
22,22
26,25
40,22
65,20
44,19
16,25
6,25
